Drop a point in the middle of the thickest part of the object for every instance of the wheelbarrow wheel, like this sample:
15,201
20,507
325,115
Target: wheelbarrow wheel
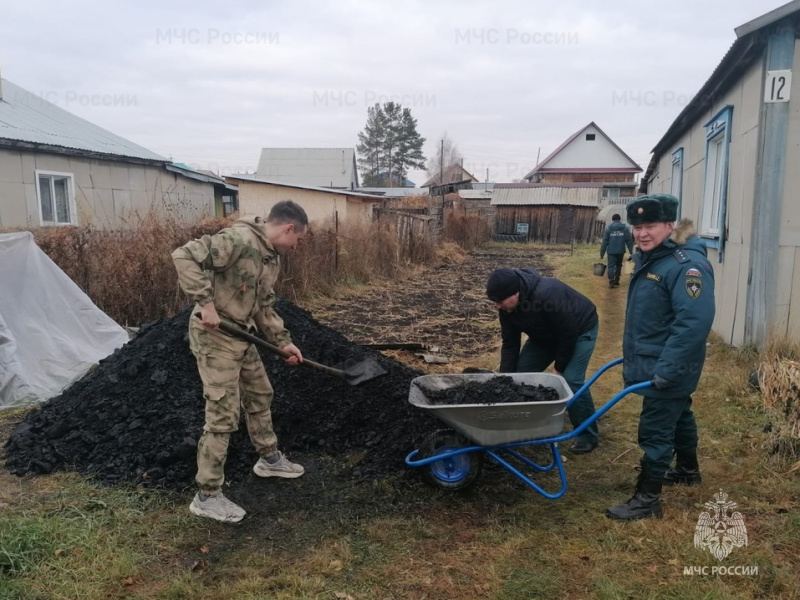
453,472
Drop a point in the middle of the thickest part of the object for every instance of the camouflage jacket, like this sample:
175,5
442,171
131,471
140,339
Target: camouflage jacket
235,268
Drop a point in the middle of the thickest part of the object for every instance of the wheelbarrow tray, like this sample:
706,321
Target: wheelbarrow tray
500,423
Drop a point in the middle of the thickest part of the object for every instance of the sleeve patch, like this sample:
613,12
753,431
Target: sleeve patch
694,287
693,273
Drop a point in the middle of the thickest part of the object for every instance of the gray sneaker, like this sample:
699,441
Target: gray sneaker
282,468
218,508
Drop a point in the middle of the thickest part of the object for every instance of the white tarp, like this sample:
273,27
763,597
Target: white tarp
50,331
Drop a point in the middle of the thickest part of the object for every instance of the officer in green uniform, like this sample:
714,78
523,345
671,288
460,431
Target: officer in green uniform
616,239
670,310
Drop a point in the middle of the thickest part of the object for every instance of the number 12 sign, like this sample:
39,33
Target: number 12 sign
777,86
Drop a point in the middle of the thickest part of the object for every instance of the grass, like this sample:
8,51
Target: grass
499,541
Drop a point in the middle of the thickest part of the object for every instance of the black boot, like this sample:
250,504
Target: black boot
686,471
643,505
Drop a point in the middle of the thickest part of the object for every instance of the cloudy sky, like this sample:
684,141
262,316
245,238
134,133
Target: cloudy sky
211,83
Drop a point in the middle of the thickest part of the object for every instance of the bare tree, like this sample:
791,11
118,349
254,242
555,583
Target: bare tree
445,165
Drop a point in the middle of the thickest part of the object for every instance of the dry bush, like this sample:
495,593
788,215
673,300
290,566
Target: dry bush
468,231
128,273
779,381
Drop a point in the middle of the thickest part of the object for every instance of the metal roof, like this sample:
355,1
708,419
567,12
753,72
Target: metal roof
321,167
30,121
475,194
543,195
395,192
748,47
327,190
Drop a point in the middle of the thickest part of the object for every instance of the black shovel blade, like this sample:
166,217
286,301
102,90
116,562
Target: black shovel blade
356,372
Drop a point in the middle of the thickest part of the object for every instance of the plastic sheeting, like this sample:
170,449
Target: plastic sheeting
51,333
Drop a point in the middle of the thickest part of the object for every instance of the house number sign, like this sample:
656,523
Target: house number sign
777,86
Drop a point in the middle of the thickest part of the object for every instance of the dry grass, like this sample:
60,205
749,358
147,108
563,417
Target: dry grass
779,382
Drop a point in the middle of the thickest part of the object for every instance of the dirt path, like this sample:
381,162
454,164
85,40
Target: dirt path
444,307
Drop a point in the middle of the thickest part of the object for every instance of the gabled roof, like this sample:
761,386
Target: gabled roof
748,47
321,167
453,173
630,167
30,122
327,190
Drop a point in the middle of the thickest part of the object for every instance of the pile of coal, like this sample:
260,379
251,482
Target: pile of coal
496,390
138,415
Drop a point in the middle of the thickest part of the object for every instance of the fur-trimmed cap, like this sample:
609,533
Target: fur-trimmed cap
655,208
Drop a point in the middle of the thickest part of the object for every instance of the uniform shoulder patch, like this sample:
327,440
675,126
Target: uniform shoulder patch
694,273
654,277
681,256
694,287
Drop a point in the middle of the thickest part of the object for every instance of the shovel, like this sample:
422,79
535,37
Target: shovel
353,372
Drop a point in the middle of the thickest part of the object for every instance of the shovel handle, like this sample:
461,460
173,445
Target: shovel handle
236,332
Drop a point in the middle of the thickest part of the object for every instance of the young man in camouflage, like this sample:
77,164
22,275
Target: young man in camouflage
230,276
616,238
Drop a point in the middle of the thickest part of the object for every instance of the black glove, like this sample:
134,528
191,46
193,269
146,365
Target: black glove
662,384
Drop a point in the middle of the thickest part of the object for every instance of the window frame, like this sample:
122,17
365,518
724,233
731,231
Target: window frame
718,137
677,190
71,205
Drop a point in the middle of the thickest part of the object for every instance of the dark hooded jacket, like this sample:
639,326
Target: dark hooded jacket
669,314
550,313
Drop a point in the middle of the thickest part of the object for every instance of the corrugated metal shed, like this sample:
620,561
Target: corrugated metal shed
543,195
28,120
320,167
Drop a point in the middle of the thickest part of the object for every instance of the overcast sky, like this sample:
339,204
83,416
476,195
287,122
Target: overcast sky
211,83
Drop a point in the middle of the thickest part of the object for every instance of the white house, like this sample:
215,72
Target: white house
590,156
732,158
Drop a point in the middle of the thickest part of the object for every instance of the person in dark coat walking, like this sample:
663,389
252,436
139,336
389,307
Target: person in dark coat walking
561,325
616,238
669,315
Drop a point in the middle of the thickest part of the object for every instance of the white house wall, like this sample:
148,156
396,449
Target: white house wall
108,194
579,153
731,275
787,313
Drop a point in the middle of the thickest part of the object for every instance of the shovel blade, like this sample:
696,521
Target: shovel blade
356,372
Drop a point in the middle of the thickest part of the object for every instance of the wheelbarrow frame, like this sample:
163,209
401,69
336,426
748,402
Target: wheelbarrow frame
557,462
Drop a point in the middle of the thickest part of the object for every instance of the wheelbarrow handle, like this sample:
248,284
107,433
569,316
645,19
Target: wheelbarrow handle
236,332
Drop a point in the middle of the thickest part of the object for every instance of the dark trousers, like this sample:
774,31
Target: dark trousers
535,358
614,267
665,426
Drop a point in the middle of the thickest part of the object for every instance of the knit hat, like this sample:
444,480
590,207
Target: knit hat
655,208
502,284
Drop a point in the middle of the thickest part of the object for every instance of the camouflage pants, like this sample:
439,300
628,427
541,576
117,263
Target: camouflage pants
233,377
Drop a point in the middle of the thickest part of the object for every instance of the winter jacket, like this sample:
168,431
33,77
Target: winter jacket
236,269
550,313
669,315
616,238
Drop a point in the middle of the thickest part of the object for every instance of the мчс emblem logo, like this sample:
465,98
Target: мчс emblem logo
719,532
694,287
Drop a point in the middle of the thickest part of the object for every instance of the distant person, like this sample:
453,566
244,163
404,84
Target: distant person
561,325
230,276
669,315
616,238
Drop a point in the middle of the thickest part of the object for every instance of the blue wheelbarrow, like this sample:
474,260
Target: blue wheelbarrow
453,458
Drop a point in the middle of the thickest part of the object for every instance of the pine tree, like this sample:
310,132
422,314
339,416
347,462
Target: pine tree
389,145
370,147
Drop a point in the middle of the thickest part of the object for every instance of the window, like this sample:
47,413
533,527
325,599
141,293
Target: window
610,192
590,137
228,206
715,187
676,186
56,192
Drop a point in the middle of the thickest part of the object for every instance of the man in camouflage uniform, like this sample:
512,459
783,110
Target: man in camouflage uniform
230,276
669,315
